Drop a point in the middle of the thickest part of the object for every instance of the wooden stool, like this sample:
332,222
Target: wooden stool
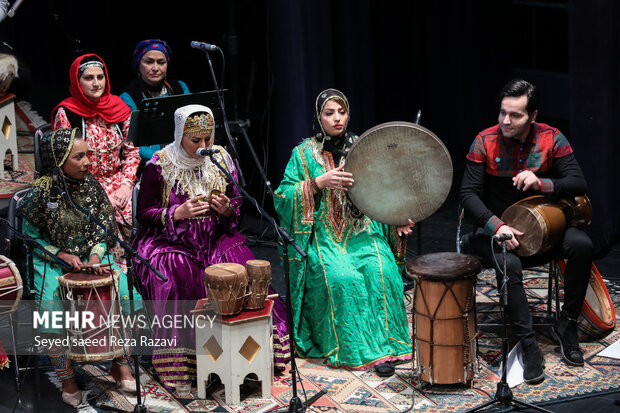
234,347
8,128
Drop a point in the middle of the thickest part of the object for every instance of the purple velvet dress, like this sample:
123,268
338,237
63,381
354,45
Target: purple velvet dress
182,250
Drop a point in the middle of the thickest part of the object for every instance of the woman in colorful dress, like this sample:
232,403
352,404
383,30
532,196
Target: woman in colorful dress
104,121
347,294
188,212
68,234
150,62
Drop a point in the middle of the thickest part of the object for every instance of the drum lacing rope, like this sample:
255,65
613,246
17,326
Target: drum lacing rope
465,314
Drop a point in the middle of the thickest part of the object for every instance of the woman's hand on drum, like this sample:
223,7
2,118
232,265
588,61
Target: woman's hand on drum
221,204
406,229
526,180
120,197
512,243
93,261
73,260
191,208
335,178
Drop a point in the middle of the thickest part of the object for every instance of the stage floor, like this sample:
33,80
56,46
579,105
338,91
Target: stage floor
347,391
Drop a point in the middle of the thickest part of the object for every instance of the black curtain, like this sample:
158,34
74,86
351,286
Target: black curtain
594,39
450,59
391,58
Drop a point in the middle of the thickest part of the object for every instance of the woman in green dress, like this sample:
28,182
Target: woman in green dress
347,295
66,233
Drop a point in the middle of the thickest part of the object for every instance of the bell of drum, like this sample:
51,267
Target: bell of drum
226,284
85,293
543,221
10,286
445,319
259,280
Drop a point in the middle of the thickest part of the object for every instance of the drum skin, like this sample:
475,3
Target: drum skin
11,287
598,316
445,318
543,221
401,171
82,291
226,285
259,280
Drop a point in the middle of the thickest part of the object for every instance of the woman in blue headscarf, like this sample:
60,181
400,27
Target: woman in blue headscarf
150,64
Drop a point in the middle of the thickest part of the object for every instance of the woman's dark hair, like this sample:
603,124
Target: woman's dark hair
520,87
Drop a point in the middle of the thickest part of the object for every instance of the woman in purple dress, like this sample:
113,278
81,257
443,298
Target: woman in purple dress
181,234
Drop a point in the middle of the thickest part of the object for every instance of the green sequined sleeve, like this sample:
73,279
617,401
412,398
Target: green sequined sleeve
98,250
33,232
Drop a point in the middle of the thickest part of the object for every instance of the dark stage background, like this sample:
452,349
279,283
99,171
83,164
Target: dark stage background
391,58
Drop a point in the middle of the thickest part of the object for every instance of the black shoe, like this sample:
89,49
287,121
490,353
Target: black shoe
385,369
565,333
533,362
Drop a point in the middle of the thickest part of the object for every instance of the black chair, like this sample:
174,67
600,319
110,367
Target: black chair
38,134
14,217
549,272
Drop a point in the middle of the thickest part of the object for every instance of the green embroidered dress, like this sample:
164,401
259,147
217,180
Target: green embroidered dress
65,228
347,295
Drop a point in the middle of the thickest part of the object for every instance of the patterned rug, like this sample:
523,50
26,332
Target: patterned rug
355,391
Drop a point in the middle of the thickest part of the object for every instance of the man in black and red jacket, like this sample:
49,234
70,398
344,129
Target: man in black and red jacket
512,160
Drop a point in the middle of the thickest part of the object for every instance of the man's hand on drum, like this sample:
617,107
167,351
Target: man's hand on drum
95,260
335,178
512,243
191,208
221,204
406,229
526,180
73,260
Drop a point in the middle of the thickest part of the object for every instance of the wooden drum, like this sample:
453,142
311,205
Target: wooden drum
543,221
10,286
259,280
445,319
226,284
82,293
598,316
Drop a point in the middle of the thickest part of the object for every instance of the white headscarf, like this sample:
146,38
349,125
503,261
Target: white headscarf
194,176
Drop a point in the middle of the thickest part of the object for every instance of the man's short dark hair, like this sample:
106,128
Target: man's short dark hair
519,87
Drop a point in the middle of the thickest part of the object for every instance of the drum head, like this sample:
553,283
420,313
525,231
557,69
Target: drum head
444,266
401,170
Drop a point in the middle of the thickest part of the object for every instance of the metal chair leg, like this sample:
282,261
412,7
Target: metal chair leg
14,339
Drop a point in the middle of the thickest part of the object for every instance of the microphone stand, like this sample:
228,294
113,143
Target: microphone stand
220,98
130,252
503,394
296,405
243,128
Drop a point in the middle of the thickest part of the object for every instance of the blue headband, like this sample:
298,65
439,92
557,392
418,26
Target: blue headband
147,45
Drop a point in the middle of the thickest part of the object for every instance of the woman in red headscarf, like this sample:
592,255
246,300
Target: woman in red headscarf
104,120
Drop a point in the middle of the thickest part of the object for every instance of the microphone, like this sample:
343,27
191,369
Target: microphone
13,9
52,202
204,46
502,237
201,153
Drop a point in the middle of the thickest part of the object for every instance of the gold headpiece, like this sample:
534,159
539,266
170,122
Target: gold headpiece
199,124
